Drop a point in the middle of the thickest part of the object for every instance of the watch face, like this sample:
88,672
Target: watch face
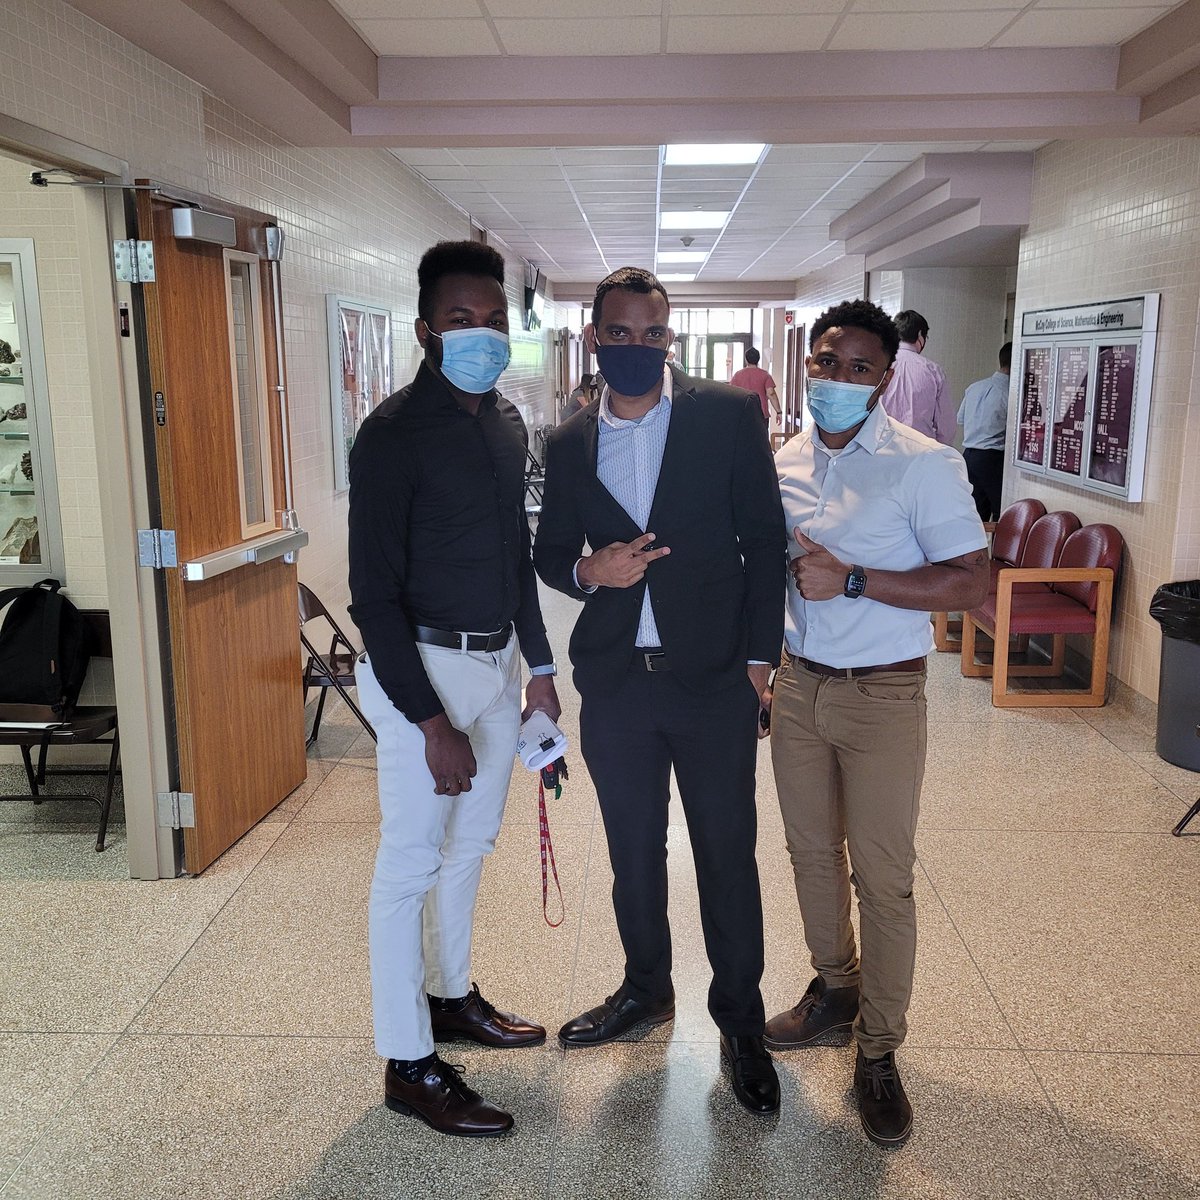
856,583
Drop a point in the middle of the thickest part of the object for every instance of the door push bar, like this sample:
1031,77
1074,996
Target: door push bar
263,549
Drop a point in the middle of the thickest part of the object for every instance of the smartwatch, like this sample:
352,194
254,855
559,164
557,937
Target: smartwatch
856,582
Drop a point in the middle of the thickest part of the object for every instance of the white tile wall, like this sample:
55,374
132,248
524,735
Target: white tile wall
1112,219
356,222
965,310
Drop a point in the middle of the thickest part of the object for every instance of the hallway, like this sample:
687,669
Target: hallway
210,1037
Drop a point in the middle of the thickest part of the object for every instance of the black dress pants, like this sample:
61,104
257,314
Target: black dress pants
632,737
985,470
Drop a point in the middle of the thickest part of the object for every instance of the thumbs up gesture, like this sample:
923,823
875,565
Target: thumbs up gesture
818,574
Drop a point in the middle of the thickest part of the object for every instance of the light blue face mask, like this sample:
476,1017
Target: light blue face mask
473,359
837,407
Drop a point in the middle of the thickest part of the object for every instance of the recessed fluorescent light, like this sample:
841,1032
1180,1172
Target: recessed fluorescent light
682,256
728,154
693,219
677,278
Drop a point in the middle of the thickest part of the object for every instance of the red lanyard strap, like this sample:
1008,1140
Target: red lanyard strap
547,848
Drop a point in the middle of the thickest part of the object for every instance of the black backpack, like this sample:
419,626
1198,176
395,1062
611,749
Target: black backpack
44,648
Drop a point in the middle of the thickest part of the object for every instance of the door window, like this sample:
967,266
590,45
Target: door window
252,419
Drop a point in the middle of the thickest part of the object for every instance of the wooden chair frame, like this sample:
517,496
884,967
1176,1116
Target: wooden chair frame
1000,670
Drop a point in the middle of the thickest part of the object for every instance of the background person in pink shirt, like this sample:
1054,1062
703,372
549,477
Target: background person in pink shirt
918,396
754,379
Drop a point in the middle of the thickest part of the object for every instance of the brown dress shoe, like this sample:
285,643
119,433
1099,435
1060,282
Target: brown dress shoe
481,1022
443,1101
823,1017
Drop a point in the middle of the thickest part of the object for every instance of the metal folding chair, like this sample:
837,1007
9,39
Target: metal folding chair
332,670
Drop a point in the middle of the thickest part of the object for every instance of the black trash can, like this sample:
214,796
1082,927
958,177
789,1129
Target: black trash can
1176,607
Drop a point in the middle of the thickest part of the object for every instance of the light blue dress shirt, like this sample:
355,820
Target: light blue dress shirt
983,413
628,460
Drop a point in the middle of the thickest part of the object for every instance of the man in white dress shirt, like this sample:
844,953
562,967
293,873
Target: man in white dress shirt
983,415
884,531
917,395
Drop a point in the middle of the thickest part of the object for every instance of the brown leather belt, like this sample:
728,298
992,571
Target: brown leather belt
909,664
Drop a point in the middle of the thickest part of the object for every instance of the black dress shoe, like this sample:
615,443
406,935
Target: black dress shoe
443,1101
481,1022
883,1107
617,1015
755,1083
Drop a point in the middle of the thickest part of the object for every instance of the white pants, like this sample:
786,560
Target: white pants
431,848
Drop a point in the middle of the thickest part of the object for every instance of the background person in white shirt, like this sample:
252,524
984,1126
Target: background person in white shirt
884,532
983,414
917,395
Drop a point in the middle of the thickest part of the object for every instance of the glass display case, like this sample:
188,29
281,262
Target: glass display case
30,532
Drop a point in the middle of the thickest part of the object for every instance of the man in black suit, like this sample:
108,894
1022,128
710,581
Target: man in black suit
670,482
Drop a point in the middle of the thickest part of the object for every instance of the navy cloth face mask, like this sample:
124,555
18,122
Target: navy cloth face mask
473,359
631,370
837,407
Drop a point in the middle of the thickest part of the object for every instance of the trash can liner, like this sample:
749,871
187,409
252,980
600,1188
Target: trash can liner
1176,607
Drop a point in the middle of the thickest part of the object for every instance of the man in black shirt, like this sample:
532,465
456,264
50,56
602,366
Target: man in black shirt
440,578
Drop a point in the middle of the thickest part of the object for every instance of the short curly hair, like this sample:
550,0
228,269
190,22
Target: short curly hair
454,258
858,314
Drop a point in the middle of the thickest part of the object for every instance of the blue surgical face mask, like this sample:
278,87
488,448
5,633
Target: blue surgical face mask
631,370
473,359
837,407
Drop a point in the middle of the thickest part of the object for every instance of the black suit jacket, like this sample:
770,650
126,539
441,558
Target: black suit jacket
719,595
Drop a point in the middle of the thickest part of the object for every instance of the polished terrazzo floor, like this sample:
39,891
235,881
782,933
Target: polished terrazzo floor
211,1037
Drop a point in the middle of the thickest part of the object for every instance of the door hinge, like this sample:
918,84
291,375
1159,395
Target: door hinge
156,548
176,810
134,261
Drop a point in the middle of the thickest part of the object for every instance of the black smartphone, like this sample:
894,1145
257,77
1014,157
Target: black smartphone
764,719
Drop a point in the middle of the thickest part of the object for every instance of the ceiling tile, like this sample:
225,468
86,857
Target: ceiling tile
893,31
428,38
1073,27
747,34
596,35
505,9
399,10
738,8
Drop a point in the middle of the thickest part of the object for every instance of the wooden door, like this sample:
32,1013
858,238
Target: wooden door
221,446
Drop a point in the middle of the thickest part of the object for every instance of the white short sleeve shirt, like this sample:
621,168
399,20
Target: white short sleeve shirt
892,500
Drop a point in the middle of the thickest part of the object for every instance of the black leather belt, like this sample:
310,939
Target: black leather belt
650,660
909,664
463,641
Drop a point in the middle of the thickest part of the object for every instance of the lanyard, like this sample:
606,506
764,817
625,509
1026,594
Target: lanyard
547,848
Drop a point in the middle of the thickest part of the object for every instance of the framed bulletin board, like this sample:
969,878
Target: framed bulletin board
1083,415
360,372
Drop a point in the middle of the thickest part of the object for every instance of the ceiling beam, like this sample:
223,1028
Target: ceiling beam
962,118
737,78
1167,49
213,43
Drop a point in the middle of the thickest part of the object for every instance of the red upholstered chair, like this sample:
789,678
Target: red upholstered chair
1073,597
1012,532
1008,544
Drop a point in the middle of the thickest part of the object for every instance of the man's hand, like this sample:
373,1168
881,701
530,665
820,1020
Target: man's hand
448,755
760,674
818,574
540,693
620,565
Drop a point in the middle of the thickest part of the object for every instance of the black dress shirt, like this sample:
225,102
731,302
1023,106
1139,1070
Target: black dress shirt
438,533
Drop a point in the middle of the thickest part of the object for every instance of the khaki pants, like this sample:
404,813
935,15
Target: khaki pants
849,756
